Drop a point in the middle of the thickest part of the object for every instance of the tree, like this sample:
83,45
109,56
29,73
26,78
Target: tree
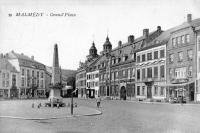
71,82
57,86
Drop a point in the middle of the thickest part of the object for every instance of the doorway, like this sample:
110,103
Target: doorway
149,93
108,91
123,93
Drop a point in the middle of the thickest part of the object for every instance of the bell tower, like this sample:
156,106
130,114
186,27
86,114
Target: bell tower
107,46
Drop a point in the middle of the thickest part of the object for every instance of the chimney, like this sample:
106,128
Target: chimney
32,57
130,39
189,18
22,54
158,28
119,43
145,33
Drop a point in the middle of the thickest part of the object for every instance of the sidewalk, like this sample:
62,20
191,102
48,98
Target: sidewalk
24,110
148,102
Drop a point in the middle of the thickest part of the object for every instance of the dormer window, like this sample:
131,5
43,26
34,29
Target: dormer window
126,57
123,58
119,59
102,64
113,61
133,56
120,52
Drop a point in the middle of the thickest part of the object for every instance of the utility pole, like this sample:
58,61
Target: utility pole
72,106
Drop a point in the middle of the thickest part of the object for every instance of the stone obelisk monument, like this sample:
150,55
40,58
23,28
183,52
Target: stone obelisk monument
55,92
55,68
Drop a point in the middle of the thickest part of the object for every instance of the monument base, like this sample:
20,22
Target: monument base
55,98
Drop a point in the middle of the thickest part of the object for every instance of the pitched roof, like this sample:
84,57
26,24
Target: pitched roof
6,65
193,23
25,60
139,41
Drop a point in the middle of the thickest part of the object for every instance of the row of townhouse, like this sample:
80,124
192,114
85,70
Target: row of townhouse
21,76
157,65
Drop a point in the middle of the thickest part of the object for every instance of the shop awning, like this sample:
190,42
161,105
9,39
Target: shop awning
67,87
170,85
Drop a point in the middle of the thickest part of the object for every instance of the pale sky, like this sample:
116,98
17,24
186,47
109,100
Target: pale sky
93,21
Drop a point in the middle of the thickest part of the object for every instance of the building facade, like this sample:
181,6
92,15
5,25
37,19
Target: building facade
150,71
158,65
92,84
117,78
182,60
81,82
9,79
197,41
30,81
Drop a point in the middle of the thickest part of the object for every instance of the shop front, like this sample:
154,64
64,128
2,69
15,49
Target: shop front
4,93
91,93
41,93
184,91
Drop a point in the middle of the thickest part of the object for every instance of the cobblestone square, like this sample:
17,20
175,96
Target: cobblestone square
117,117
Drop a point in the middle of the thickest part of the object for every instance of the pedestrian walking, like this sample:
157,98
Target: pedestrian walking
98,102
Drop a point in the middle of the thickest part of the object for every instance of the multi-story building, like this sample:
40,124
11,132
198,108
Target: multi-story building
116,67
92,73
151,68
31,77
197,42
117,70
166,64
88,68
182,59
92,83
81,81
9,77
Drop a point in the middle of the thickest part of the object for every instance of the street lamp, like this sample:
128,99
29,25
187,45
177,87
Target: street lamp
72,105
33,85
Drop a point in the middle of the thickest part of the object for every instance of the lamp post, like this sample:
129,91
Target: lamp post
72,104
33,86
130,84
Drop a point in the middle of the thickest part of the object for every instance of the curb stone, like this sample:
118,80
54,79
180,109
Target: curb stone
68,116
187,104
